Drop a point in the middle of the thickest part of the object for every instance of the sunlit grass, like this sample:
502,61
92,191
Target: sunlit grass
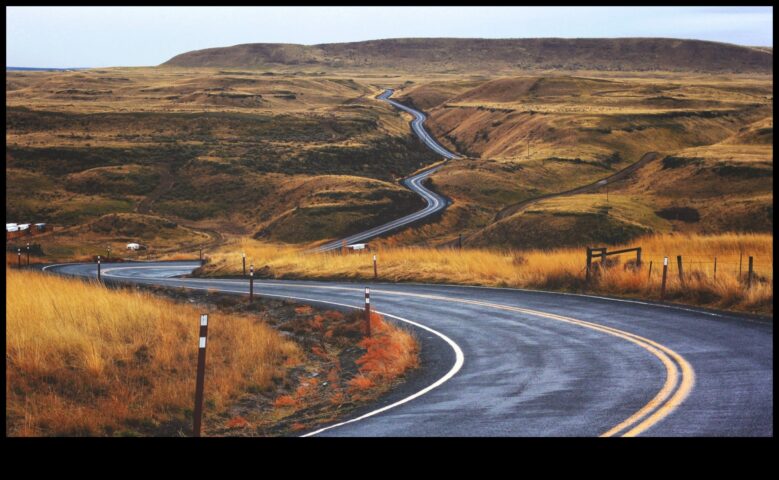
558,269
86,360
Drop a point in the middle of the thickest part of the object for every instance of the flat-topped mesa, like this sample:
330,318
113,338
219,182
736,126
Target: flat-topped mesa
462,54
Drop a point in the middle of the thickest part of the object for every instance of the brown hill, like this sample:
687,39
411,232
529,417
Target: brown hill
455,54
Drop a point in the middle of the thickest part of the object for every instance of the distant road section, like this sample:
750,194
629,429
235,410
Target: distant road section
435,202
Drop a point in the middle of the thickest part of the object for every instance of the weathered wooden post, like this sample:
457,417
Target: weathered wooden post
715,268
638,257
649,278
681,269
460,241
375,268
243,258
749,275
201,374
589,264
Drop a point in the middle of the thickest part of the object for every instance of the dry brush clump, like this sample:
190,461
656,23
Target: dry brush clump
556,269
86,360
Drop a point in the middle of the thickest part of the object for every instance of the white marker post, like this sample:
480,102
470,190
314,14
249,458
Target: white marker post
98,268
201,374
665,275
368,310
28,254
251,283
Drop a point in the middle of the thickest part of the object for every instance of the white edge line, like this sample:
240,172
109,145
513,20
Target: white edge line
459,357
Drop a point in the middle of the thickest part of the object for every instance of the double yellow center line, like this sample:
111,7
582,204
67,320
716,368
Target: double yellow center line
680,376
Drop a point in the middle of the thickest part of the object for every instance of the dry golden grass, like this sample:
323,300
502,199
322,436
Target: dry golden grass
559,269
86,360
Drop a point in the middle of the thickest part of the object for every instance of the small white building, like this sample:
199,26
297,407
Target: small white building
133,246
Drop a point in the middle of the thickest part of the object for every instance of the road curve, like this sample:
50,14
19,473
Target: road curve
434,202
505,362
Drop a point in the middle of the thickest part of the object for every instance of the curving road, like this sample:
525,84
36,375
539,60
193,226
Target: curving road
505,362
434,201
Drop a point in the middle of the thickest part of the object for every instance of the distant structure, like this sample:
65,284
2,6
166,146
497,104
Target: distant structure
358,247
17,230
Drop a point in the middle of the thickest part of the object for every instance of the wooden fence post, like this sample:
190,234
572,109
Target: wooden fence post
749,277
589,264
681,269
715,268
638,257
649,278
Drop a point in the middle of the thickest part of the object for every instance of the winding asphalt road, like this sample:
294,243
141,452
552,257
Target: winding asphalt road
434,202
505,362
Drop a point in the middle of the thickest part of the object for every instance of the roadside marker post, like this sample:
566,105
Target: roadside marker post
368,310
201,374
251,283
243,258
681,269
109,252
375,269
98,268
19,257
665,276
749,275
28,254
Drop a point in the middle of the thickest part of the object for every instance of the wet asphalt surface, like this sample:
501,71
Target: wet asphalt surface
527,375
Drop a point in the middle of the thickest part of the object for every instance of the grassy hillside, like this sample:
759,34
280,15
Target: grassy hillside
212,149
532,136
460,55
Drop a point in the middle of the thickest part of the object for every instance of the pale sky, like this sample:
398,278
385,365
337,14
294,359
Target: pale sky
61,37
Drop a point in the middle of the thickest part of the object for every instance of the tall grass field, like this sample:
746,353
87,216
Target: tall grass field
560,269
84,360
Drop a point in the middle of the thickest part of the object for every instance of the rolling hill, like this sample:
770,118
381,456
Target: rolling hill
450,55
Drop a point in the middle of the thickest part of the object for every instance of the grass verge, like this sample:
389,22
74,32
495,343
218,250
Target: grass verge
561,269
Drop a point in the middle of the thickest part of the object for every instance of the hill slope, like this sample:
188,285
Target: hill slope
453,54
